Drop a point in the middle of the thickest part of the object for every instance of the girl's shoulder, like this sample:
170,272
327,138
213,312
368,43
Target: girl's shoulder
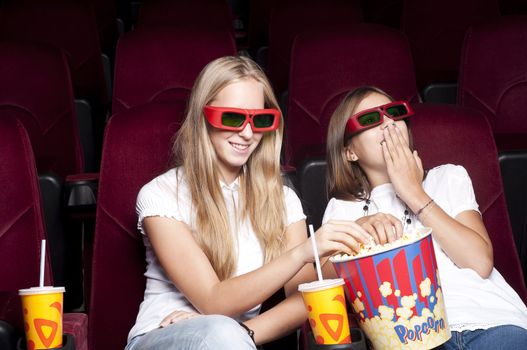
291,198
446,171
168,184
345,202
447,176
340,209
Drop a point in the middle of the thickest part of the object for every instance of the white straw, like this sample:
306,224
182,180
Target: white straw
42,261
315,251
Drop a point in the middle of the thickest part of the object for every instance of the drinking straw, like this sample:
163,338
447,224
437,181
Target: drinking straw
315,251
42,261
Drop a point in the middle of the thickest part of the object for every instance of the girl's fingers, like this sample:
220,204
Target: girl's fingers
397,225
419,163
372,232
389,142
346,248
338,243
350,226
381,231
404,147
399,142
386,153
177,316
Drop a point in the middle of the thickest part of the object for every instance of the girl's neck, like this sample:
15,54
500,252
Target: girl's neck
377,178
229,175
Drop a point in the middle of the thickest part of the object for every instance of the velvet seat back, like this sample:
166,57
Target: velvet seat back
69,25
493,77
21,219
162,63
136,149
435,30
36,87
290,18
211,14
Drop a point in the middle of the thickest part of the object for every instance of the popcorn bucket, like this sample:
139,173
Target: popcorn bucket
396,294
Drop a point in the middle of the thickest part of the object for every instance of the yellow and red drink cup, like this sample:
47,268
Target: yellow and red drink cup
42,310
396,294
326,305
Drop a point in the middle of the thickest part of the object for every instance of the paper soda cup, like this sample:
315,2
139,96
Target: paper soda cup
326,305
396,294
42,310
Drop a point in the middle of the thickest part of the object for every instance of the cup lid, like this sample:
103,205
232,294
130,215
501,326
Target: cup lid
320,285
41,290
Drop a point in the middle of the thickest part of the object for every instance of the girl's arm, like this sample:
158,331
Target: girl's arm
191,272
282,319
291,313
288,315
463,238
297,235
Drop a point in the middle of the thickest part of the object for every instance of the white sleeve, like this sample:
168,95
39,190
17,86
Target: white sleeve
460,192
335,210
338,209
293,207
329,213
156,200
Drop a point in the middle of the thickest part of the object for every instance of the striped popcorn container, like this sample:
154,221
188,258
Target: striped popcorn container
396,294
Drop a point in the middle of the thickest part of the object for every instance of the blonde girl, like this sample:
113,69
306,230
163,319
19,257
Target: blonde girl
222,232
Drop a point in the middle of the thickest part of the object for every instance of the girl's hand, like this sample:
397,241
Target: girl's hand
176,316
382,227
336,236
405,168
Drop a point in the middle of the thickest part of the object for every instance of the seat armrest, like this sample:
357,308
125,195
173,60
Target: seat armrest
68,343
445,93
306,340
76,324
84,113
80,193
7,336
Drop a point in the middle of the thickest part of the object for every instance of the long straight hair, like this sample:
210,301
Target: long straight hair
261,187
344,179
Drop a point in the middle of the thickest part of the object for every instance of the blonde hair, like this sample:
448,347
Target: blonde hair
344,179
261,187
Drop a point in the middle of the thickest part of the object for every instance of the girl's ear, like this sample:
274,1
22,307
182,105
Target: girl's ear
350,155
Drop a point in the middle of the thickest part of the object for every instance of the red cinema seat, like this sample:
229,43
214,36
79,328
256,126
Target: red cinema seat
22,229
290,18
118,264
493,78
199,14
69,25
161,63
435,31
36,85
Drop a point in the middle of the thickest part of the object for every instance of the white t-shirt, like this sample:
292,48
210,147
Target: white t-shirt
168,195
471,302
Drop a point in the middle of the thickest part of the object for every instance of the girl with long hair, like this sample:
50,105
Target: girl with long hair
376,178
222,232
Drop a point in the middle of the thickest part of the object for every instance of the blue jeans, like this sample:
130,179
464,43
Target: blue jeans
495,338
211,332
